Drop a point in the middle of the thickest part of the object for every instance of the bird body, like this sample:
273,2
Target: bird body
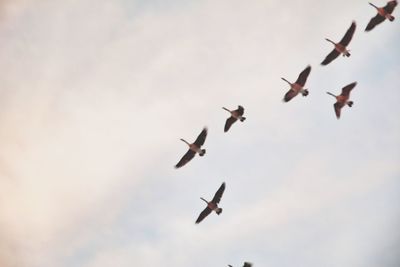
194,148
235,115
343,99
383,13
341,47
212,205
298,86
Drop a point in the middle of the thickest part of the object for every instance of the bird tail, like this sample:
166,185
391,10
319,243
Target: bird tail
347,54
218,211
202,152
391,18
350,103
304,92
242,118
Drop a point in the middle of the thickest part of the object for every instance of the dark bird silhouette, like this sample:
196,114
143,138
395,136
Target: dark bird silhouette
343,99
212,205
246,264
193,148
383,13
297,87
341,47
235,115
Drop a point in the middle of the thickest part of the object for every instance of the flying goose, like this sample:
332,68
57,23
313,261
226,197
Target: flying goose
212,205
235,115
340,48
383,13
343,99
193,148
297,87
246,264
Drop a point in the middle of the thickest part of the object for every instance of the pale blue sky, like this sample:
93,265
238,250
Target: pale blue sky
96,94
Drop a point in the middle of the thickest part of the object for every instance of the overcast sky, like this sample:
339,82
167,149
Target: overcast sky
95,94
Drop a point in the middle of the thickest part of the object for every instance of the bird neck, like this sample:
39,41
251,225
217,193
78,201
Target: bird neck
226,109
286,81
329,93
204,200
183,140
373,5
329,40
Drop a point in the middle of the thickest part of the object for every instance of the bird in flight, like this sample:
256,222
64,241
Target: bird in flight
343,99
297,87
341,47
383,13
212,205
235,115
246,264
193,148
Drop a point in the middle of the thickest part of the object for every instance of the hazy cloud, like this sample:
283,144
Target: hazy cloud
95,96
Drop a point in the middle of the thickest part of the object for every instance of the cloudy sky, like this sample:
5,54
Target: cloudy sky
95,94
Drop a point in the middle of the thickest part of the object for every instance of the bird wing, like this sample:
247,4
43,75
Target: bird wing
203,214
390,6
347,89
240,110
231,120
217,197
301,80
337,106
349,34
201,138
186,158
289,95
247,264
331,56
374,21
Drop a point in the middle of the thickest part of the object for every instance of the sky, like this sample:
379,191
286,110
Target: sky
95,95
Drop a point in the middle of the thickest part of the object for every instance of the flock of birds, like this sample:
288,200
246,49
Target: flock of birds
297,87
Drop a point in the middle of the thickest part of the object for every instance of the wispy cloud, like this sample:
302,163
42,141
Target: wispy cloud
96,95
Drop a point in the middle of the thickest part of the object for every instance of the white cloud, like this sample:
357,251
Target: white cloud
96,96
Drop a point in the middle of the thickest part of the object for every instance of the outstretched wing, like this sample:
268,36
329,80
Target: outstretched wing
349,34
231,120
240,110
203,214
331,56
217,197
186,158
347,89
374,21
247,264
390,6
289,95
337,106
301,80
201,138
